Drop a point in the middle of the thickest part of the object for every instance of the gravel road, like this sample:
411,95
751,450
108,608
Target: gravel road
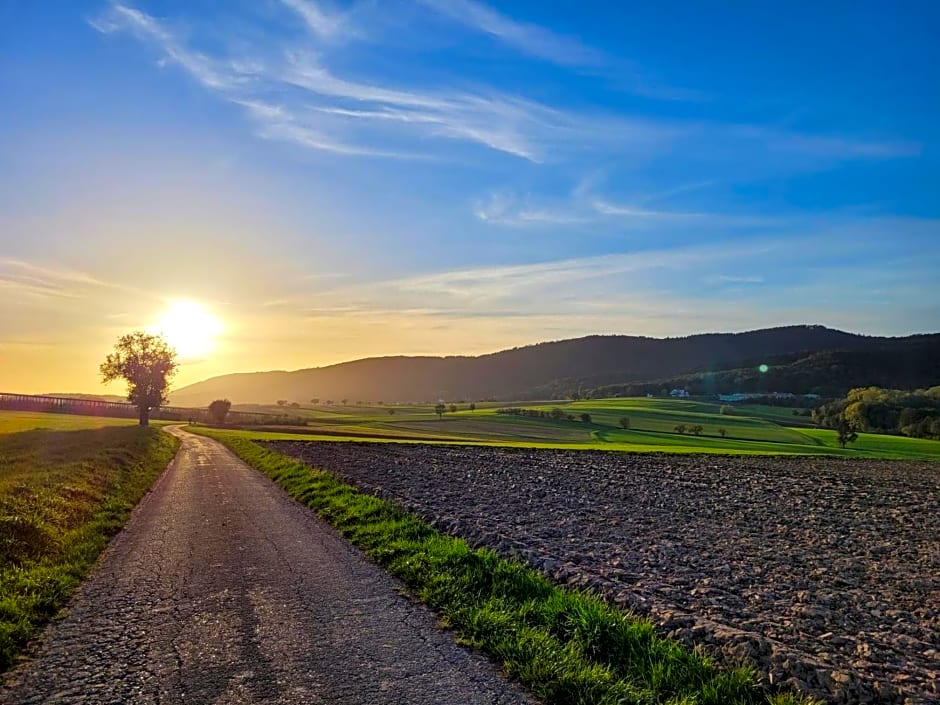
824,572
222,589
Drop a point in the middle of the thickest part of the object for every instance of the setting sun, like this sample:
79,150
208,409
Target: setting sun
190,328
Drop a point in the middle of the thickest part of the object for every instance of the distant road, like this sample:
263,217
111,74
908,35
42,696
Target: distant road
221,589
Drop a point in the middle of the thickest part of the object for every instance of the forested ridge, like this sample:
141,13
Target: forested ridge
801,359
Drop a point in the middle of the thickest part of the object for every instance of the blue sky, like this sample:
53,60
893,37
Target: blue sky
338,179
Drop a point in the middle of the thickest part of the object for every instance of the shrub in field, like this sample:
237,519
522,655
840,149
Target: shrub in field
846,433
218,410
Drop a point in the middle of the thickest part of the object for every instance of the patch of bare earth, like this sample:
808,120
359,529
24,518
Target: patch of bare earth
823,572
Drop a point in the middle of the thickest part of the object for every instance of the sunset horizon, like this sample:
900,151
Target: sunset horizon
547,174
194,370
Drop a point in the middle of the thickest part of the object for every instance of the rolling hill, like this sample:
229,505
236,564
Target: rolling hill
536,371
898,363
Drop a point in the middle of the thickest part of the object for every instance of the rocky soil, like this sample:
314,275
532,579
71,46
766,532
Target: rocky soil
823,572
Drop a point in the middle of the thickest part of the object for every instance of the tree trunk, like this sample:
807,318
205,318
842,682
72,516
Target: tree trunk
144,416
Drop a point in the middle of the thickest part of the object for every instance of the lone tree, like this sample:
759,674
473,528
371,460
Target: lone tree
846,432
148,364
218,410
439,410
722,432
473,406
586,417
625,422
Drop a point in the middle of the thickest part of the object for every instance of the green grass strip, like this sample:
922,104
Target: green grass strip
565,646
63,495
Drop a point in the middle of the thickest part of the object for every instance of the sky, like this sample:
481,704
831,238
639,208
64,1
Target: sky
332,180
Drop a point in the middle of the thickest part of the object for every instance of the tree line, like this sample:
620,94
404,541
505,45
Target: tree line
907,363
556,414
876,410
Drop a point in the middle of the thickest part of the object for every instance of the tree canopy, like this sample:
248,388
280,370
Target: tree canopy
148,363
875,410
218,410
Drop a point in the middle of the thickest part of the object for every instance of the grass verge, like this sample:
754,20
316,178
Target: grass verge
63,494
565,646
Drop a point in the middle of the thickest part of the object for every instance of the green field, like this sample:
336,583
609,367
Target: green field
17,421
749,429
63,494
777,414
882,445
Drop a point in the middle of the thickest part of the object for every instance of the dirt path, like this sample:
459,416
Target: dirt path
221,589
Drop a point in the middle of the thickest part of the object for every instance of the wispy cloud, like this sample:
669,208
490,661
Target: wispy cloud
46,281
505,208
846,148
629,211
530,39
330,113
501,123
508,209
322,22
245,83
542,43
726,220
293,95
734,279
21,277
826,146
676,191
206,71
533,283
663,289
505,123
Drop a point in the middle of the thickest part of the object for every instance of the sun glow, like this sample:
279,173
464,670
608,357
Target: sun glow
190,328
